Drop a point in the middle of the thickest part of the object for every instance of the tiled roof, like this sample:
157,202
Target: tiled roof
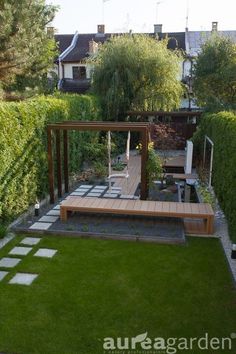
82,46
64,41
81,49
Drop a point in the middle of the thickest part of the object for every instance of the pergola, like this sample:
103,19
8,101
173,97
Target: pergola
62,128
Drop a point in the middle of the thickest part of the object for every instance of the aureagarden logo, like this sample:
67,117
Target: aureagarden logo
143,344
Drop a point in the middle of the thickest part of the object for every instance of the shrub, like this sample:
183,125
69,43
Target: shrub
154,166
23,159
221,128
3,230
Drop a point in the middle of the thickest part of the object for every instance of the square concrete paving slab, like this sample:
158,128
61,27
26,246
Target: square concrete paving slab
82,190
57,207
23,278
93,194
31,241
53,212
96,190
48,218
9,262
45,252
127,196
3,274
20,251
86,186
111,195
100,187
40,226
78,193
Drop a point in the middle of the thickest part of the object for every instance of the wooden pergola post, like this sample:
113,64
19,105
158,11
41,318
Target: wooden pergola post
144,158
58,154
66,170
50,166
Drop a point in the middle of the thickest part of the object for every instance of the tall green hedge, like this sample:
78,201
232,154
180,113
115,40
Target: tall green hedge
221,128
23,153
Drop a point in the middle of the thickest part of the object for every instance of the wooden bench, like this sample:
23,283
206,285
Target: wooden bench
139,207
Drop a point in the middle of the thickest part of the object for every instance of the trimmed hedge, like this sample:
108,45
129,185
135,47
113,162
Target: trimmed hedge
221,128
23,146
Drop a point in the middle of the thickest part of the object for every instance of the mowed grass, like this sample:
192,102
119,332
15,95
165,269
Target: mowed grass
93,289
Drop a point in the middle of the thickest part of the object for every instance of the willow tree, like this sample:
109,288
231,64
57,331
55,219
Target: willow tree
25,46
136,72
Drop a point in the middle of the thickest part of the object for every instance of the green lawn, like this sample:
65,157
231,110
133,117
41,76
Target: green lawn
93,289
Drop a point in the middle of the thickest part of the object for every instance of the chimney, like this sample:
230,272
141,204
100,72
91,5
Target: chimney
214,27
101,31
93,47
157,28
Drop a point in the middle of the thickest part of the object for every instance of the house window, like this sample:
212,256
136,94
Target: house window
79,72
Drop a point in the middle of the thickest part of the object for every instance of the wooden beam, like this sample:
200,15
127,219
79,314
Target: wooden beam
99,126
50,166
66,171
161,113
58,154
144,158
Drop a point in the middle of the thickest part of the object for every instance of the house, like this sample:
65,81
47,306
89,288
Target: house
75,73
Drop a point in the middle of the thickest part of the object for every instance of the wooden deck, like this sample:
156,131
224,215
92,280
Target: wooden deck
140,207
177,161
129,186
182,176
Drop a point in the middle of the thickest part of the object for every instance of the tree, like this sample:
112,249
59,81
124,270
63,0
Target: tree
215,74
25,46
136,72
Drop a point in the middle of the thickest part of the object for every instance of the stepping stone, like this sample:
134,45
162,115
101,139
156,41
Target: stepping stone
127,196
93,194
31,241
23,278
96,190
45,252
3,274
9,262
20,251
81,190
111,195
86,186
40,226
54,212
57,207
78,193
100,187
48,218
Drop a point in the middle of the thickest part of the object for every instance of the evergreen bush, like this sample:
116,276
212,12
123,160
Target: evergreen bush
221,129
23,146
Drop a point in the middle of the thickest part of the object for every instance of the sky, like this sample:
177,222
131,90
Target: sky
140,15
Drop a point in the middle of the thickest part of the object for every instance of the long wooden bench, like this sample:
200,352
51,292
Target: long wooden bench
139,207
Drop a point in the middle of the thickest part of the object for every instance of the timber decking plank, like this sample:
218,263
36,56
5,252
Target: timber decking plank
139,207
97,203
173,208
144,206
